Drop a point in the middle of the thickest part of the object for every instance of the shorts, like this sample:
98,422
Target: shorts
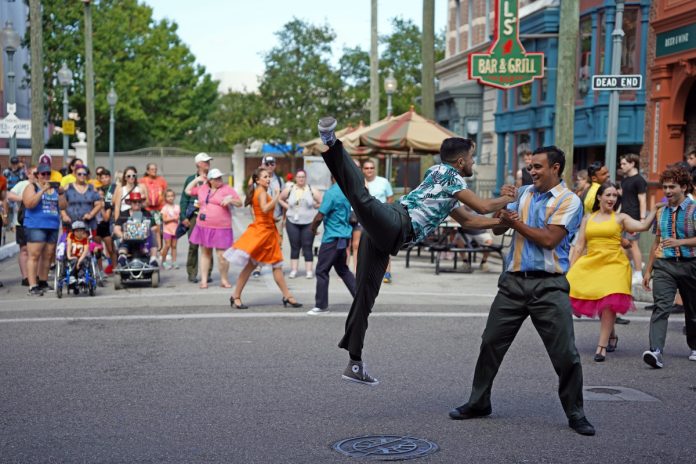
480,239
357,227
41,235
20,236
167,236
630,236
104,229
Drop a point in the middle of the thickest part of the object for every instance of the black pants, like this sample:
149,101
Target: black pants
546,301
300,236
386,227
332,254
668,277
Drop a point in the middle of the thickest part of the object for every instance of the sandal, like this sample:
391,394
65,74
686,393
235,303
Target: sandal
611,347
234,300
599,357
226,285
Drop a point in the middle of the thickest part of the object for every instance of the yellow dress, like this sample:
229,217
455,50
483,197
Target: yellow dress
602,278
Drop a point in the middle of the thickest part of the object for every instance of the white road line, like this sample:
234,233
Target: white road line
273,315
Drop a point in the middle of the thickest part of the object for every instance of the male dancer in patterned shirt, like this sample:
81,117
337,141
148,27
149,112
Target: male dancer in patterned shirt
388,227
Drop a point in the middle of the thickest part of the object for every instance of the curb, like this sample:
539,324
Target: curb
8,251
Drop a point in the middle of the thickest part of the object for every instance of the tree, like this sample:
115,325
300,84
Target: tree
299,85
163,93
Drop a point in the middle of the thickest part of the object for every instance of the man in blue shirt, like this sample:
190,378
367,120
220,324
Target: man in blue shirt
335,212
544,217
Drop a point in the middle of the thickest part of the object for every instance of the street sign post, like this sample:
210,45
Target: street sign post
506,64
617,82
68,127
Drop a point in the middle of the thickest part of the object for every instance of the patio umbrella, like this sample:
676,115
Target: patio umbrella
315,146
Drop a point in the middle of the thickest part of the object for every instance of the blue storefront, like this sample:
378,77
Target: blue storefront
526,114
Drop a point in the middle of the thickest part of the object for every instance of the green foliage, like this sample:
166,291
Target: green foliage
162,94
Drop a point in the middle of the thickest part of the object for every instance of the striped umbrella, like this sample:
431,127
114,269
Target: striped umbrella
409,132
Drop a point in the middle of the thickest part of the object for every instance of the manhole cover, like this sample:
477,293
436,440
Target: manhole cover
606,391
385,447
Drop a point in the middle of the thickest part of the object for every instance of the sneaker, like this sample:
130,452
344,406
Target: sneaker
653,359
326,127
292,274
387,278
25,282
622,321
45,286
310,275
35,291
154,262
357,372
316,310
256,274
176,266
72,280
692,356
122,261
109,270
484,266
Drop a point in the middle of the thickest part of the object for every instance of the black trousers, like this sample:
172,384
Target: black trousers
301,237
332,255
386,227
545,300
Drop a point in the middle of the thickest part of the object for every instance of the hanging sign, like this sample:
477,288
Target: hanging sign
506,64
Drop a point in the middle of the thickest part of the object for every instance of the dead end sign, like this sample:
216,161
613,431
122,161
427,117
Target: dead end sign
506,64
617,82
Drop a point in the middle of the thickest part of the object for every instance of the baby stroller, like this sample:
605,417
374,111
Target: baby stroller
78,279
138,239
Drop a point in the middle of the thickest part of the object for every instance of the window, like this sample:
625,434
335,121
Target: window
630,61
584,57
543,84
601,37
540,138
524,94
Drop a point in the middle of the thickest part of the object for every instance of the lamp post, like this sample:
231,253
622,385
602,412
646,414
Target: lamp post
89,84
390,84
65,76
613,117
111,99
10,41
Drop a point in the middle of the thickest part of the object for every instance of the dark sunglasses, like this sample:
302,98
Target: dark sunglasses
44,173
130,176
270,163
81,174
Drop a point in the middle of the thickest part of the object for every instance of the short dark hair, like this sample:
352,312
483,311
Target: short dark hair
600,191
453,147
594,167
104,172
676,174
555,156
632,158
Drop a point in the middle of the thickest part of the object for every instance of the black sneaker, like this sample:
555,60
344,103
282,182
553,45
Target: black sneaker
622,321
45,286
582,426
464,412
154,263
326,127
35,291
122,261
25,282
653,358
356,372
256,274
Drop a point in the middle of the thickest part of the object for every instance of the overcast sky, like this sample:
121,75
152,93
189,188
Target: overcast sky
229,37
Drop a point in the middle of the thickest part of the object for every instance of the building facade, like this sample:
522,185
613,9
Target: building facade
526,114
671,122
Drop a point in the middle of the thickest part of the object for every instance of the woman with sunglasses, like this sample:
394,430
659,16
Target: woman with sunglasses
41,223
80,202
213,229
129,183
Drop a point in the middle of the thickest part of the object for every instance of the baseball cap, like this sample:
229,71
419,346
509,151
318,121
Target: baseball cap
134,196
215,173
43,167
14,159
202,157
269,160
78,225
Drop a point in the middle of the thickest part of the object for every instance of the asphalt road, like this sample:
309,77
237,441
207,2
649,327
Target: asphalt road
172,375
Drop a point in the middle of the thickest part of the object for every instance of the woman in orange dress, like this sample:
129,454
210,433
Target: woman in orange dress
260,243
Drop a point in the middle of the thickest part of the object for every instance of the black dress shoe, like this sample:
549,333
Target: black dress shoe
622,321
582,426
464,412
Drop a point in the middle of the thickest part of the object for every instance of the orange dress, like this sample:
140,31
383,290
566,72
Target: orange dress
260,242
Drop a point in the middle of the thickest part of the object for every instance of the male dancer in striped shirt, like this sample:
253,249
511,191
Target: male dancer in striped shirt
544,218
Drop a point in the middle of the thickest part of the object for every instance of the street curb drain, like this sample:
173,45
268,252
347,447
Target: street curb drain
614,393
385,447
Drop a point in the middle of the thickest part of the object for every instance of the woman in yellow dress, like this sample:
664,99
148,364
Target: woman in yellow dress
260,243
600,281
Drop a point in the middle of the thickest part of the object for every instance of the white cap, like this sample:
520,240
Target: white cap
202,157
214,173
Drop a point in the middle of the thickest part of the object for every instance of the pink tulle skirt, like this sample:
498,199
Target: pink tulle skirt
619,303
211,238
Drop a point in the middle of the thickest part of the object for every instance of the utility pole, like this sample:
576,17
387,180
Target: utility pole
374,67
613,118
428,59
89,85
37,81
564,123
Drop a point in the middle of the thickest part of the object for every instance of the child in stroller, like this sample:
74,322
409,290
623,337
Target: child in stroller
75,262
137,233
77,252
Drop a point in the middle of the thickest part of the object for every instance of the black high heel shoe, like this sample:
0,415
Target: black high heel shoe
235,305
599,357
611,347
295,304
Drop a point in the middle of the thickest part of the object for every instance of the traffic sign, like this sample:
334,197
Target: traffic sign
618,82
12,125
68,127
